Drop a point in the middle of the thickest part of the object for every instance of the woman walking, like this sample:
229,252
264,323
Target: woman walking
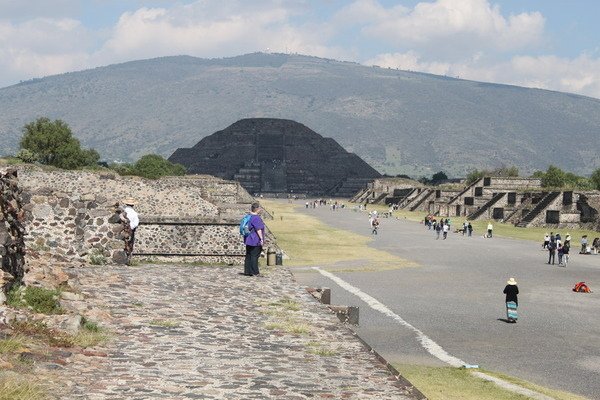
511,291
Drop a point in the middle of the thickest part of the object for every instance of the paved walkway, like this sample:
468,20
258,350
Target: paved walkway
189,332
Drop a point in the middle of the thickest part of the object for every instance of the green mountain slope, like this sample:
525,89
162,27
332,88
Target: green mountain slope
398,121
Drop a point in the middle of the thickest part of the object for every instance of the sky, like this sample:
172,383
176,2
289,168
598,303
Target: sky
549,44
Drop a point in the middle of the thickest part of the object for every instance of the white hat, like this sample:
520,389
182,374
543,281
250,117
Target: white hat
512,281
129,201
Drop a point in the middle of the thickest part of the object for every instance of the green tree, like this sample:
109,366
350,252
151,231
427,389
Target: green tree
52,143
595,179
438,177
554,177
474,176
151,166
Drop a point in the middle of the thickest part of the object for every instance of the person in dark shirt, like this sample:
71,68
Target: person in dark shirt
511,290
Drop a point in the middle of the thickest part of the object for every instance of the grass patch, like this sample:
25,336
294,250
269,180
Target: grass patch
448,383
317,348
19,388
308,241
11,344
40,300
289,327
533,233
40,331
97,257
556,394
164,323
287,304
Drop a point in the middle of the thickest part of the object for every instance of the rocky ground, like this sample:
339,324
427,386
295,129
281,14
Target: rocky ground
200,332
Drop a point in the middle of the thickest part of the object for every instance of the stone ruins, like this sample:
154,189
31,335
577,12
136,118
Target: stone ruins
277,156
521,201
72,214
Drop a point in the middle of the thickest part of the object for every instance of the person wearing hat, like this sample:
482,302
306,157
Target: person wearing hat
511,291
131,219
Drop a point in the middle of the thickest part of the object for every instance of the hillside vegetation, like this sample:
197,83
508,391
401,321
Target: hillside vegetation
398,121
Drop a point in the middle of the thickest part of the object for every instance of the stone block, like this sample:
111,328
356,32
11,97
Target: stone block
119,257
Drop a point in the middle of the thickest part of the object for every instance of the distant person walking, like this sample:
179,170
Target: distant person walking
490,229
445,229
470,229
375,226
546,241
438,229
131,220
511,290
254,240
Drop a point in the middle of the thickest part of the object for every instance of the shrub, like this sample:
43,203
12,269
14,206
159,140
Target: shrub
40,300
151,166
26,156
97,258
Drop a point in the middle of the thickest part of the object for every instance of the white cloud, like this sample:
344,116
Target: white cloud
458,25
579,75
208,29
42,46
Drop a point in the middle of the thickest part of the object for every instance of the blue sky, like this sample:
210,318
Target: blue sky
551,44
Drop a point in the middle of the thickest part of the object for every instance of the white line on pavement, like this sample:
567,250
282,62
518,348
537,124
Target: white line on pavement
432,347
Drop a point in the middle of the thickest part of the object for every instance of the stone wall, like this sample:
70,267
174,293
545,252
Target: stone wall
193,241
12,232
75,213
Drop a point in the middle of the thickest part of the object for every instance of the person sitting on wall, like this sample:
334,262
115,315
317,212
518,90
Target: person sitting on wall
131,220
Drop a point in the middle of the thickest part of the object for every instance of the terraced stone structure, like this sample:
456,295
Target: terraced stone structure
275,156
521,201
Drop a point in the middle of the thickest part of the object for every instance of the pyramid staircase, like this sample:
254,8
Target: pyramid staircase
420,199
495,198
541,206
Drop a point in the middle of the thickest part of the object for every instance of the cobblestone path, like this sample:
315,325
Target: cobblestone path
190,332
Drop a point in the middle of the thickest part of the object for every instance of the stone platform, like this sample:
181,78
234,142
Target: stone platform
201,332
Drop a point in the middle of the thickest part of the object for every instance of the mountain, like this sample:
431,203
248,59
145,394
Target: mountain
398,121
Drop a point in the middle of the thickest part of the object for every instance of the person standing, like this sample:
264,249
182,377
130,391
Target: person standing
254,241
470,229
511,290
566,248
546,241
131,220
490,229
551,251
446,228
438,229
560,251
584,243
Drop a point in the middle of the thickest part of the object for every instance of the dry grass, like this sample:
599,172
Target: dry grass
13,387
164,323
291,327
447,383
12,344
310,242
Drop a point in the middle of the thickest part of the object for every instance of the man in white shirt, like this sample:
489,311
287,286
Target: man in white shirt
132,220
490,229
